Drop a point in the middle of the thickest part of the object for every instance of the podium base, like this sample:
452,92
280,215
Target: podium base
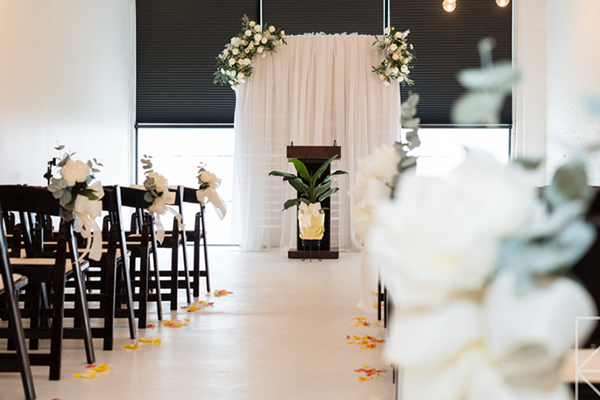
296,254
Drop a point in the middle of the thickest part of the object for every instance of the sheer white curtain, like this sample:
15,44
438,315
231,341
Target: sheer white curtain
313,91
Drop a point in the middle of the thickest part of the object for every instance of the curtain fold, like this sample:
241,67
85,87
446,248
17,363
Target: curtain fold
317,89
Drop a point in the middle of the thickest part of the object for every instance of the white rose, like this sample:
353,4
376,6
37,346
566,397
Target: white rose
440,238
240,75
400,78
252,23
406,32
247,50
235,52
257,37
159,180
382,77
264,55
260,49
244,42
387,41
395,57
264,40
248,32
250,47
258,28
386,83
271,29
393,47
411,46
225,53
387,31
395,70
74,172
282,32
404,68
232,61
398,35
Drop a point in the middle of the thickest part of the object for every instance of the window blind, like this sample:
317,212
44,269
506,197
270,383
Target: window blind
177,42
446,43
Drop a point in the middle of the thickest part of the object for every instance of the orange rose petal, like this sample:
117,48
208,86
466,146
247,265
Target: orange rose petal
91,366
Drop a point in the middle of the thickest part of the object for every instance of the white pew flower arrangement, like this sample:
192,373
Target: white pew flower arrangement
207,192
80,199
398,56
477,264
234,64
158,195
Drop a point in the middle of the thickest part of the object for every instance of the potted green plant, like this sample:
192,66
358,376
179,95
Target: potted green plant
311,217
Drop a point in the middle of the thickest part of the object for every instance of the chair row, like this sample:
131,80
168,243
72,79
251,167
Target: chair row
50,261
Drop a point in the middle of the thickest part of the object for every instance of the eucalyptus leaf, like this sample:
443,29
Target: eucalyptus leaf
499,77
412,137
89,164
65,198
59,148
568,183
478,108
530,163
148,197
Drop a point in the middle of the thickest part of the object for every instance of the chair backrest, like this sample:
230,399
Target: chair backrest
38,200
31,199
22,359
111,202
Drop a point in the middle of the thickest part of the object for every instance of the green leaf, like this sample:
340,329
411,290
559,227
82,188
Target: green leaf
300,186
301,168
285,175
291,203
322,169
322,188
89,164
65,199
530,164
339,172
328,194
59,147
305,200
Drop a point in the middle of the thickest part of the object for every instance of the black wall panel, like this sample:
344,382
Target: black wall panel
446,43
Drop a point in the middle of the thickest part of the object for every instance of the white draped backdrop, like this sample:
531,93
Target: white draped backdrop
317,89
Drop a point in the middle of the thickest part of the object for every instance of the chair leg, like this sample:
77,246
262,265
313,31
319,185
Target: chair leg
143,299
36,310
206,261
110,304
174,273
57,325
129,296
84,315
196,271
188,290
205,250
19,339
157,280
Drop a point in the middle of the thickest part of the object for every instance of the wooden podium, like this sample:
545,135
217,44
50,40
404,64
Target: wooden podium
313,157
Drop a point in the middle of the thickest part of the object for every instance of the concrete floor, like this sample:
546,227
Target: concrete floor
280,335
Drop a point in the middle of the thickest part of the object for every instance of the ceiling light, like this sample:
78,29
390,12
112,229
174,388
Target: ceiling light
450,5
501,3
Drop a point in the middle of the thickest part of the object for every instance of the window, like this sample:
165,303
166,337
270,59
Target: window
176,154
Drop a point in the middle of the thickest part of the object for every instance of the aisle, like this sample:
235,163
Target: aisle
280,335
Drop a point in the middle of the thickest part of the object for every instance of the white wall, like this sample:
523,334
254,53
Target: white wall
529,133
572,71
64,78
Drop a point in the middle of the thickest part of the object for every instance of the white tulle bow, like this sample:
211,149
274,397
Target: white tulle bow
312,208
210,194
160,207
87,211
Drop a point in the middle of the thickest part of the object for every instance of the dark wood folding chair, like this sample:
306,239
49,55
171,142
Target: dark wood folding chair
195,236
142,244
9,287
174,239
112,269
49,271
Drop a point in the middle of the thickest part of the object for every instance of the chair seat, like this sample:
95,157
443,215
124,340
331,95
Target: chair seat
45,262
18,279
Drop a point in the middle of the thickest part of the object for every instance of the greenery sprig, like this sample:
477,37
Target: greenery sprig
234,64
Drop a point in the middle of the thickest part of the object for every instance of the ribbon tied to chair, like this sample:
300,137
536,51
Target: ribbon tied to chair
159,207
87,211
210,194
